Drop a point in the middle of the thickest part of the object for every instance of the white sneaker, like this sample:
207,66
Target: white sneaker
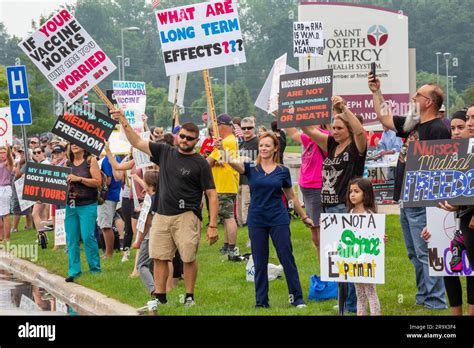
302,305
125,256
189,302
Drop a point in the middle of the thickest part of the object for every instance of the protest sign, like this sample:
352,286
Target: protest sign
118,145
305,98
438,171
352,248
85,127
19,192
201,36
177,88
67,56
6,127
130,96
308,39
279,68
46,183
142,160
442,225
144,213
59,229
263,99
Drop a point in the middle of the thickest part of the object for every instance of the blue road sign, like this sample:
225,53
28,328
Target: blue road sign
18,90
21,112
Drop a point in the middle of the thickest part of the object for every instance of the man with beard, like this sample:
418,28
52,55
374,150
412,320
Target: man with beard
421,123
184,175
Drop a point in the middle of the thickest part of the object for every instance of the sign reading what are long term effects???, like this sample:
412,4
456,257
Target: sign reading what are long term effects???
201,36
67,56
305,98
46,183
352,248
438,171
85,127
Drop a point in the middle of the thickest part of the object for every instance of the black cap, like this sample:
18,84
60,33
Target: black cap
58,148
224,119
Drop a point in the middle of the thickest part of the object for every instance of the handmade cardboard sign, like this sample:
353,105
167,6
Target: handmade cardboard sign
201,36
305,98
131,98
59,229
352,248
308,39
85,127
438,171
67,56
46,183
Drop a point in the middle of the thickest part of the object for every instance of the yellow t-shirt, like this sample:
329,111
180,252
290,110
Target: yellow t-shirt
226,178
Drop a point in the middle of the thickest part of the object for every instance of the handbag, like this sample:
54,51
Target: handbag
320,290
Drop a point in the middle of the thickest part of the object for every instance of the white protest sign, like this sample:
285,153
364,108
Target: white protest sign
441,225
6,127
118,145
67,56
144,213
308,39
19,192
142,160
131,97
263,98
279,68
181,89
352,248
59,228
201,36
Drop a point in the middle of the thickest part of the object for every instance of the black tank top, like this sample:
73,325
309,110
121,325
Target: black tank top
79,193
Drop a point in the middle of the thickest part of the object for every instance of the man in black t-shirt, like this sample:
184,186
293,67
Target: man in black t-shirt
184,176
421,125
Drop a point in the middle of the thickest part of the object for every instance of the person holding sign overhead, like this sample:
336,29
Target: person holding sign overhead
346,149
268,217
6,167
81,211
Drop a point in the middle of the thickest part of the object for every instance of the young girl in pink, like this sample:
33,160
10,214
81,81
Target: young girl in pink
361,200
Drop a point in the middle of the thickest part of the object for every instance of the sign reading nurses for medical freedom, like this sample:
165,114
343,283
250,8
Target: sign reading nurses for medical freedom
131,98
46,183
305,98
200,36
67,56
85,127
438,171
352,248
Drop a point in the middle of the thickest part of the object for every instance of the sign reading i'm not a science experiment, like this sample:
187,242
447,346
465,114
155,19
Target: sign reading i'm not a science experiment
46,183
352,248
202,36
438,171
305,98
67,56
85,127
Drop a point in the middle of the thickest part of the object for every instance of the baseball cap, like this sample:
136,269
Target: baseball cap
224,119
58,148
442,108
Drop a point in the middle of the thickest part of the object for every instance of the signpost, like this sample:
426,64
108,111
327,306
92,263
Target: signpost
19,97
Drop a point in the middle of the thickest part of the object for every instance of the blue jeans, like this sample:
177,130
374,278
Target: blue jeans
430,289
80,223
344,289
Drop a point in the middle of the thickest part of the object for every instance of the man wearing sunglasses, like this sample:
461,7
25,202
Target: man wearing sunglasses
421,125
227,182
184,176
248,148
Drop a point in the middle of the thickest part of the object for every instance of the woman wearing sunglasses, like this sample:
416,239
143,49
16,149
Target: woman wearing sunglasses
40,210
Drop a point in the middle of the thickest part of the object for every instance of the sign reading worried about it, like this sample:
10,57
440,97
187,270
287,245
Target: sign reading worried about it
67,56
352,248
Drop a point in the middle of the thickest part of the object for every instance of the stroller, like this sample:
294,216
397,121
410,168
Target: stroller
46,226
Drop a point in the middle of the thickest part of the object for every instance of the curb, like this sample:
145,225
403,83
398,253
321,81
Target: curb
85,300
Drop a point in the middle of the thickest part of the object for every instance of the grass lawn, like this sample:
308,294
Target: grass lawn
221,287
293,149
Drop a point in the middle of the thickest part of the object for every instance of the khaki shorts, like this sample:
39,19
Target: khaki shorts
168,233
226,205
105,214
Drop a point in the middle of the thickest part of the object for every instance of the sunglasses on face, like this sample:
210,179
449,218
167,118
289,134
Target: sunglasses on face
187,137
247,128
33,142
37,152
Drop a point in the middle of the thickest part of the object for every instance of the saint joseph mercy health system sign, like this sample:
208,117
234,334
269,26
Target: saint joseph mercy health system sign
354,37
